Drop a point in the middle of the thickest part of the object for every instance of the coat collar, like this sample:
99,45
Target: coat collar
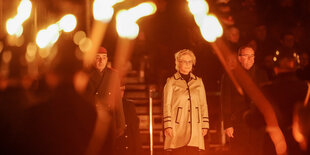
177,76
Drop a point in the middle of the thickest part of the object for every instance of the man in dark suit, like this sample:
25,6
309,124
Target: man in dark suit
244,137
104,89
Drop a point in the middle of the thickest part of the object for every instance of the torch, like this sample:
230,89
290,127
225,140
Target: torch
102,12
211,29
14,25
49,36
128,30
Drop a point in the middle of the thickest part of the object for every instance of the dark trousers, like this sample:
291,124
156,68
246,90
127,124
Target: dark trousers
247,141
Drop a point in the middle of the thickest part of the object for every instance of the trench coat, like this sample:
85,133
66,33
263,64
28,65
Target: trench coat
185,111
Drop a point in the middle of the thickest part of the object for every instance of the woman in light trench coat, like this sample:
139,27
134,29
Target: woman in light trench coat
185,110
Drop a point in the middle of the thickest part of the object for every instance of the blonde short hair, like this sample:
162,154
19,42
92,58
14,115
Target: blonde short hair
180,53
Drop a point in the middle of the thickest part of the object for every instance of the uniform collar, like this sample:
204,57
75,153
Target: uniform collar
177,76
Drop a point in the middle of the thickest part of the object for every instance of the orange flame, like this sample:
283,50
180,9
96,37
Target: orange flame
47,37
103,9
209,25
14,25
126,19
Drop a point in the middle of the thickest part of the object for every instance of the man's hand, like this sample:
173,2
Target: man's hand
204,132
168,132
230,132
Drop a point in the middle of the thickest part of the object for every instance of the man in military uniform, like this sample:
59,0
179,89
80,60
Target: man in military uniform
104,89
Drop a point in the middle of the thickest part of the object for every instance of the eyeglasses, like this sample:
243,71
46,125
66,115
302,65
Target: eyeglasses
186,62
247,55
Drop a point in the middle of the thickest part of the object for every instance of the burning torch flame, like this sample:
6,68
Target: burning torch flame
14,25
210,28
209,25
103,9
49,36
68,23
126,19
198,7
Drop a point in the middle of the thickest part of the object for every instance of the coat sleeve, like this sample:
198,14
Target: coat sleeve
204,107
168,92
119,110
225,100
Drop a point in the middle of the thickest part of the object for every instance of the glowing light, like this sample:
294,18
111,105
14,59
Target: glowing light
209,25
67,23
31,49
14,25
78,36
44,53
298,59
211,28
47,37
85,44
277,52
24,10
29,58
103,9
7,56
19,41
125,28
126,25
275,59
198,7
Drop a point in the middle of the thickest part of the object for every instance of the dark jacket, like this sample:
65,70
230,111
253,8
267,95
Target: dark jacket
235,105
283,93
129,143
104,89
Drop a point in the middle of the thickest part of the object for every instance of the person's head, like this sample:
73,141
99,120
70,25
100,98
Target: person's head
286,62
288,40
184,61
260,32
101,59
233,34
246,55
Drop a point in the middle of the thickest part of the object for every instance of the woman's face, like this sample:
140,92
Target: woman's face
185,64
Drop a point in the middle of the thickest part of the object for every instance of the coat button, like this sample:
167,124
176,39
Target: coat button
189,99
109,93
126,147
97,93
126,125
126,136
